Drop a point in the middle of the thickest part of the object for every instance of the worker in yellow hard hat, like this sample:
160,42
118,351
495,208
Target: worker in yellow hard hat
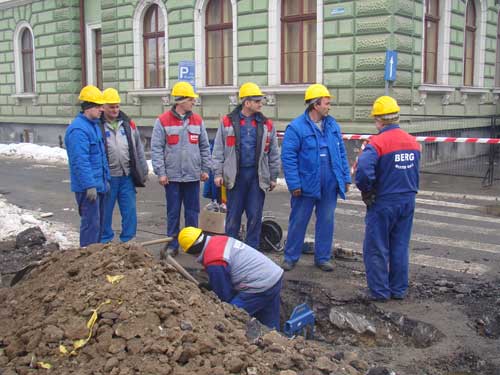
316,171
88,165
387,176
246,162
180,154
238,273
127,165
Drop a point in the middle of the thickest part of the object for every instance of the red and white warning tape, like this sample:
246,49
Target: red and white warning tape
351,137
432,139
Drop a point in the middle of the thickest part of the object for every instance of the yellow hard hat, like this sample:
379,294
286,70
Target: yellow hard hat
91,94
183,89
315,91
249,89
188,236
384,105
111,96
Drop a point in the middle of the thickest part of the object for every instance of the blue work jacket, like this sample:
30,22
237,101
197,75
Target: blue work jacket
300,155
88,165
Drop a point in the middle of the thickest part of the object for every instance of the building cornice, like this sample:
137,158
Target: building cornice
6,4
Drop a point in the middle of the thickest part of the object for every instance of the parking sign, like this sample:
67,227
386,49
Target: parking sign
186,72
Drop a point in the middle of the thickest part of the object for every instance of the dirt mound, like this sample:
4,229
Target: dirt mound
151,321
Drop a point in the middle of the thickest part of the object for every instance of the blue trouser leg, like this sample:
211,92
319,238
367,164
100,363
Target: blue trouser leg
173,196
128,210
109,206
236,205
265,306
92,218
325,210
254,204
297,225
399,254
376,249
190,192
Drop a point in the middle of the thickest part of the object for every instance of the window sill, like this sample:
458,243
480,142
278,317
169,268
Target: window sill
445,91
136,95
473,90
465,91
26,96
217,90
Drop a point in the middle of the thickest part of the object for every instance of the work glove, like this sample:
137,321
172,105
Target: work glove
91,194
368,197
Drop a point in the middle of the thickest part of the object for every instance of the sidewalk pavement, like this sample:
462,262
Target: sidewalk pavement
466,186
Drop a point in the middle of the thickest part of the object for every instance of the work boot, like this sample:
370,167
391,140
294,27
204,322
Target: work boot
326,266
366,295
308,248
287,266
168,251
398,296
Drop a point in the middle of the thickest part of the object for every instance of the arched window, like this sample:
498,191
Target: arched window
154,48
497,65
298,46
431,39
469,46
219,43
27,61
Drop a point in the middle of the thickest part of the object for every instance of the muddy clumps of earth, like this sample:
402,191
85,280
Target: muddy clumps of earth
113,309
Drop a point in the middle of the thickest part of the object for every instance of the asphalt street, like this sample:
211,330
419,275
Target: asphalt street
456,228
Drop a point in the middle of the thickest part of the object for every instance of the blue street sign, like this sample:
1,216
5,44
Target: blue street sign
337,11
391,65
186,72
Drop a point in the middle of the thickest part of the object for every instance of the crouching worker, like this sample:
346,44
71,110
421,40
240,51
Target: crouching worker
238,273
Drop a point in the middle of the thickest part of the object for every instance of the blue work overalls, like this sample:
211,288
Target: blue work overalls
325,208
246,195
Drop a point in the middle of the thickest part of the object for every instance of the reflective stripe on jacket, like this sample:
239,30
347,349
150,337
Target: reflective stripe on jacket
226,153
180,148
250,270
121,157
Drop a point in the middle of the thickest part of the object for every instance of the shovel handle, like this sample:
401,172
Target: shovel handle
181,270
155,242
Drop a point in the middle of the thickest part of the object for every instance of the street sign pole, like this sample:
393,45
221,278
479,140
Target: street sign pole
391,65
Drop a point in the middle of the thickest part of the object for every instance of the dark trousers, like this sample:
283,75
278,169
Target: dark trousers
177,194
246,196
265,306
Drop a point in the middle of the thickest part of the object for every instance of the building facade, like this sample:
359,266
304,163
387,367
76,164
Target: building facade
448,57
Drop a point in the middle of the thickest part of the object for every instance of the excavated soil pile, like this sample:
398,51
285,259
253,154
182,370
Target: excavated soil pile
151,321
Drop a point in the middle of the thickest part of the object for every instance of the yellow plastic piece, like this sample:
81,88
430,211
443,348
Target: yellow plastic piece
114,279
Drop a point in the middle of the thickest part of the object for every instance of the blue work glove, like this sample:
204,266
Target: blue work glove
91,194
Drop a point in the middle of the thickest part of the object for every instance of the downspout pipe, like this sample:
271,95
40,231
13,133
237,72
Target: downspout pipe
83,43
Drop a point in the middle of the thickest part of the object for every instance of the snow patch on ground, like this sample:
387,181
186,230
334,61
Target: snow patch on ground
59,155
14,220
34,152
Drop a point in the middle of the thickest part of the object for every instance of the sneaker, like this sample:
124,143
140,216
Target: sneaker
326,267
287,266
